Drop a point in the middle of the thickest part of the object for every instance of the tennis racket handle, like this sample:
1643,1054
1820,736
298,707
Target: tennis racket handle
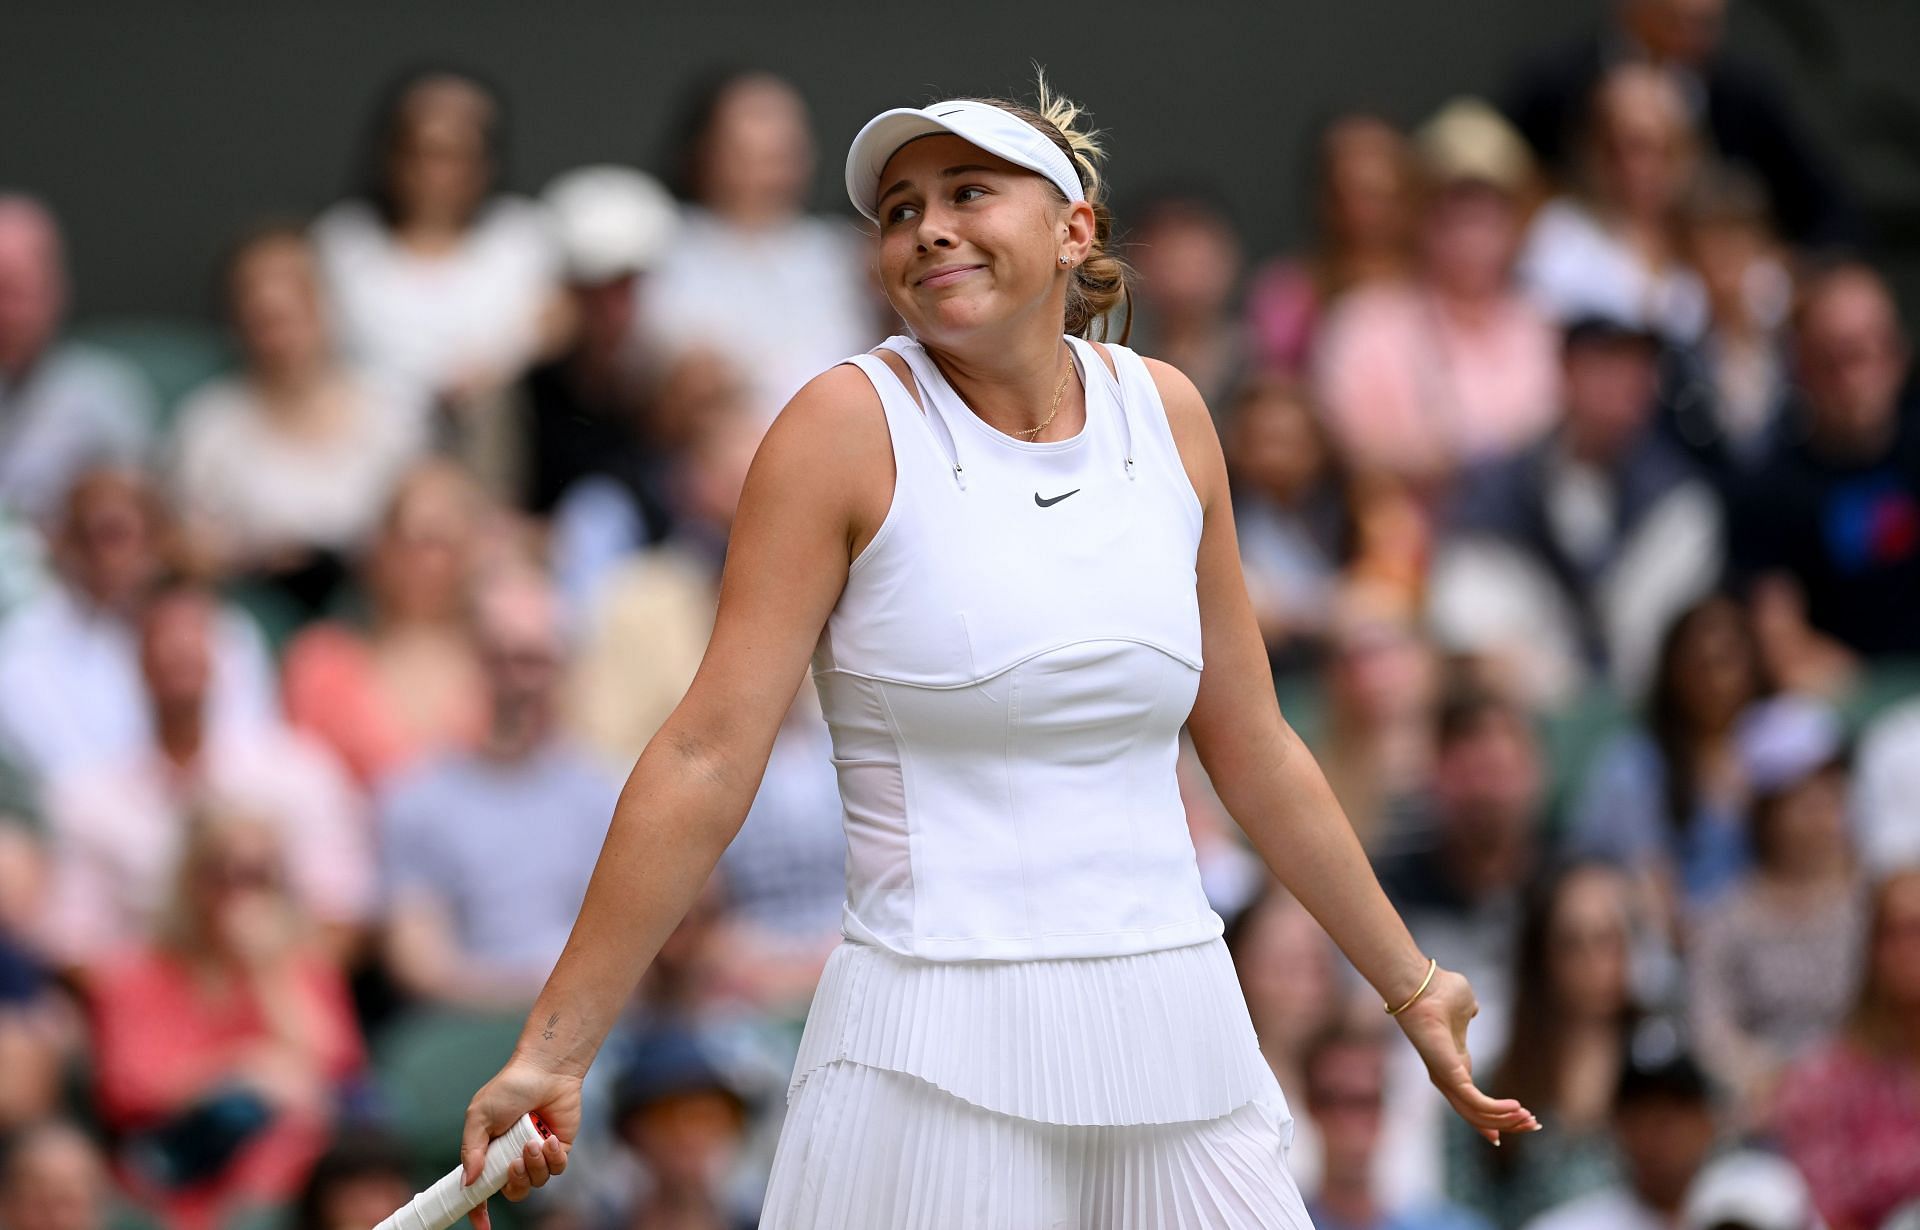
447,1201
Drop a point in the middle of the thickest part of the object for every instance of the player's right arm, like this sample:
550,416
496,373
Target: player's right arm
816,491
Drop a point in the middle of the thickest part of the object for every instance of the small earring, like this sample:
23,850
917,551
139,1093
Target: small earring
1063,262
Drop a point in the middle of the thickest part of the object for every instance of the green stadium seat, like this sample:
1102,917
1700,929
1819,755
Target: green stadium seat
175,355
1570,737
1882,685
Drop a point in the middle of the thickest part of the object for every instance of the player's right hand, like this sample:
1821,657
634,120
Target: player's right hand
522,1086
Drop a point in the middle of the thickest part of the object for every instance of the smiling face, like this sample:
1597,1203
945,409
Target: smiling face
970,244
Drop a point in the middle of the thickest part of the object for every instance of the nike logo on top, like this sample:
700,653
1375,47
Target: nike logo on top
1050,503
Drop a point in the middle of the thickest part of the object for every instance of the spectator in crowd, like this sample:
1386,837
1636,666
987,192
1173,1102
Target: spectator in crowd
778,294
1749,1190
1772,966
477,912
1365,208
117,826
407,684
651,614
63,406
52,1177
1572,1017
1663,1122
1742,111
70,686
281,471
1726,404
1829,526
1571,559
1423,376
1612,246
704,424
1848,1113
589,410
361,1179
1188,258
436,276
684,1118
1381,684
1668,800
1290,976
1459,877
1346,1079
219,1049
1293,505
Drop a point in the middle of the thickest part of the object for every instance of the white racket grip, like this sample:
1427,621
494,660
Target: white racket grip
447,1201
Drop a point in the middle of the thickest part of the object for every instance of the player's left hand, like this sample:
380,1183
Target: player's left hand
1436,1024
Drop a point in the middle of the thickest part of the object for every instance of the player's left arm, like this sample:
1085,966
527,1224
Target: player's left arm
1273,788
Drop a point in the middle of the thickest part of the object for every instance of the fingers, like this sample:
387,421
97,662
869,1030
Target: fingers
1490,1116
479,1219
474,1136
538,1162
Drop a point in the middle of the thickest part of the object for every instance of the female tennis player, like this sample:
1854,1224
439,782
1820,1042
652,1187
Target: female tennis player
1009,554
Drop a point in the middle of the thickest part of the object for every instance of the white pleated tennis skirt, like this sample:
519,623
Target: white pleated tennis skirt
868,1149
1121,1093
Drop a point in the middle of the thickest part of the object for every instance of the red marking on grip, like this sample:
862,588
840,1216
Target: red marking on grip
540,1125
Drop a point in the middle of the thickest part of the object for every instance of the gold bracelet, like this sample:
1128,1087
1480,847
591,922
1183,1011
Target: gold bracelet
1432,965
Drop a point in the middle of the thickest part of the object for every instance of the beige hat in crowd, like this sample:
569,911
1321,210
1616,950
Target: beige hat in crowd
1468,141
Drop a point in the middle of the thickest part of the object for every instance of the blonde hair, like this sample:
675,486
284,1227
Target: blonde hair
1101,282
212,827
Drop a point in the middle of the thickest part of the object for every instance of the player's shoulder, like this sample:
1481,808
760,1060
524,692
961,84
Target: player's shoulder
839,405
827,439
1177,390
1187,413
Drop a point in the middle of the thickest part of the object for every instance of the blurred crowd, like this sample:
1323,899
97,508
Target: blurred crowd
1576,465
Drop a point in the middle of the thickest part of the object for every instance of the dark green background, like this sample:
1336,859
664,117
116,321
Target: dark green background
160,129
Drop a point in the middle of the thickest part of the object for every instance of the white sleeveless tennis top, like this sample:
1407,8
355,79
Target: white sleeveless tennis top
1005,676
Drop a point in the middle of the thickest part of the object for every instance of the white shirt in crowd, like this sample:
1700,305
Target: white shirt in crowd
782,304
260,487
71,692
77,407
1886,791
433,320
1573,266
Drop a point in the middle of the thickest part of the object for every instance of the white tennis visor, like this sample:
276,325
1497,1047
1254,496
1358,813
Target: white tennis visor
996,131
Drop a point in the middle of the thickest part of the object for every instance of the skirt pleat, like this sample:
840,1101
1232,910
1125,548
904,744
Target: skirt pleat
871,1149
1157,1037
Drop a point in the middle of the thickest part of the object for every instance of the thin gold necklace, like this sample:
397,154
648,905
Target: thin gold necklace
1058,391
